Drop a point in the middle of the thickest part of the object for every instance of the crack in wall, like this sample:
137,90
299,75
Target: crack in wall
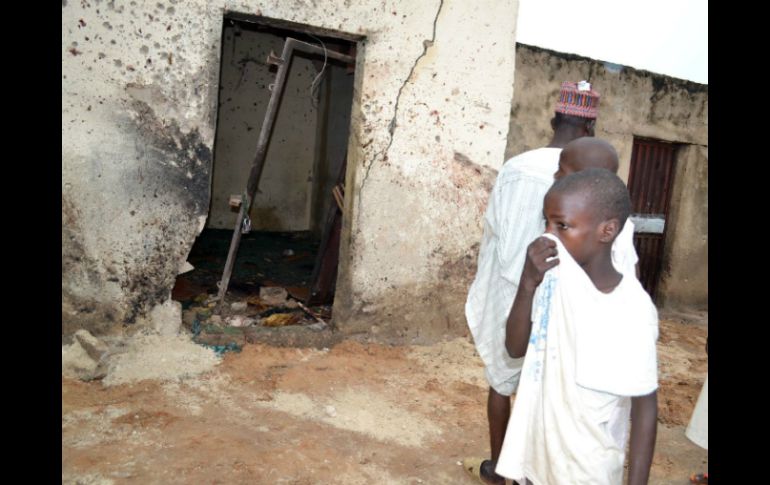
427,43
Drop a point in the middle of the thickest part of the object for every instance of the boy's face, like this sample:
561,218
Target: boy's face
569,217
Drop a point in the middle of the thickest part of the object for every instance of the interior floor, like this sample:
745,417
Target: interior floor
283,259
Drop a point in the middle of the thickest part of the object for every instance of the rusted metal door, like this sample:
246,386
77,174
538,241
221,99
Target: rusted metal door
649,184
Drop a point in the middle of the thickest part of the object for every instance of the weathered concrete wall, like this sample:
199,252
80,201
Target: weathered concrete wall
283,200
633,103
684,278
433,87
138,96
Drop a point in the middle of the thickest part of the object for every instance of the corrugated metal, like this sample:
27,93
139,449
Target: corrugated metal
649,181
649,184
649,248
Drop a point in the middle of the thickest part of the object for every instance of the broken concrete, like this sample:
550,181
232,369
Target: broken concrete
238,306
92,345
273,295
165,319
164,358
76,363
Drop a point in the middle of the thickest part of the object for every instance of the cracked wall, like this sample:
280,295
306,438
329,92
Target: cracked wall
633,103
429,123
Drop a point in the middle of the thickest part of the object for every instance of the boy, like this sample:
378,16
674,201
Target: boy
587,333
501,371
589,152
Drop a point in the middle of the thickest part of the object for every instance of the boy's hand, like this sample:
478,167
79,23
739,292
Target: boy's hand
535,264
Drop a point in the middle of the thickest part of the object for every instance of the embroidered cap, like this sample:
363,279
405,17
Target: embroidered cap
578,99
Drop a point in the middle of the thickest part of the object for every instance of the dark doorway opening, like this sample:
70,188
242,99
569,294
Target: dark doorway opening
296,209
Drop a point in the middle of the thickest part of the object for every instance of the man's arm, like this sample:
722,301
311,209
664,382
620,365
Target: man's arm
519,324
644,427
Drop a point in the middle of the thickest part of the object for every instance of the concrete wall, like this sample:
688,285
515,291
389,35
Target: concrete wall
283,200
138,112
433,86
684,278
633,103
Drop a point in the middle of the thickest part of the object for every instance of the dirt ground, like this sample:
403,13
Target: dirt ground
356,413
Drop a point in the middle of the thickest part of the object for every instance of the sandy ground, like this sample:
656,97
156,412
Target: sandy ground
353,414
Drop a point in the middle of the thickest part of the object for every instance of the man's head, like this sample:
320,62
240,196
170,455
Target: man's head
575,111
586,152
586,210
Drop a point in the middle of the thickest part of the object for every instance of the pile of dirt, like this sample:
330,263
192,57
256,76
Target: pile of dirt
160,357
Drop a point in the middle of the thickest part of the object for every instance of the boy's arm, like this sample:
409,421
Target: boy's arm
644,427
519,324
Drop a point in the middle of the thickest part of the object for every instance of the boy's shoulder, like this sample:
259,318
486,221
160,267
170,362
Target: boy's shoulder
631,299
616,343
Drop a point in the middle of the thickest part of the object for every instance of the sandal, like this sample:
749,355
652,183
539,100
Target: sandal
699,478
473,467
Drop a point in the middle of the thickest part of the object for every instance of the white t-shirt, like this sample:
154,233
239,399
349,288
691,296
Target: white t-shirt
588,353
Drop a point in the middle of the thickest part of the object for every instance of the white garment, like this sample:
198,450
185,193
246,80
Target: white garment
624,256
513,219
588,353
698,429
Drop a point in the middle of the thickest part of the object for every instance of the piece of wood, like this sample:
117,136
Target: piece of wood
236,201
338,196
324,275
307,310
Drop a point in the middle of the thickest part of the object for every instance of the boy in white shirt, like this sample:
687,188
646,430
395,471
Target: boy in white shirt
587,332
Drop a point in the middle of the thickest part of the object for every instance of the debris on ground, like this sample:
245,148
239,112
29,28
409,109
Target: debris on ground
273,295
92,345
315,317
165,319
159,357
280,319
76,363
240,321
238,306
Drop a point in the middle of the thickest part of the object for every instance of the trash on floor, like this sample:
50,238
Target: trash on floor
273,295
281,319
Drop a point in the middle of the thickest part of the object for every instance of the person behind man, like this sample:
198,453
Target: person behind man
587,334
513,219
